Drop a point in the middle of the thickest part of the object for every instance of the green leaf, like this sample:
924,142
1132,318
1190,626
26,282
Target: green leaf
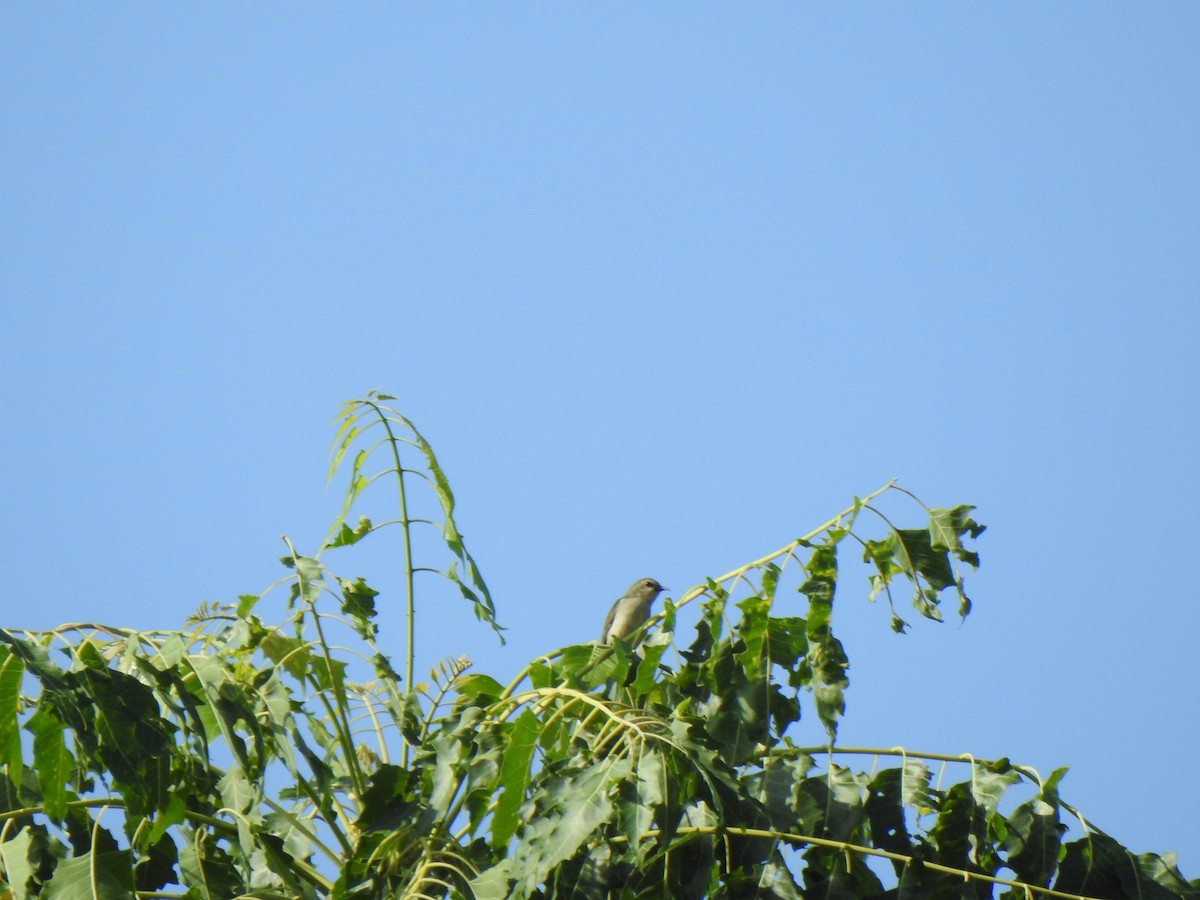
493,883
208,871
246,602
947,526
172,814
12,669
1094,865
51,761
738,717
346,536
647,667
960,827
572,661
638,801
826,658
944,527
1098,866
27,861
605,663
291,653
787,642
358,604
329,673
923,558
482,604
989,782
135,743
92,876
834,801
225,703
385,803
452,750
514,776
155,868
777,880
1032,841
477,592
271,854
916,791
822,578
477,686
777,787
572,805
885,810
752,632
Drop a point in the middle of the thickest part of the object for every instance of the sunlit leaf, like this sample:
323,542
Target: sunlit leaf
347,536
476,686
572,805
92,876
522,738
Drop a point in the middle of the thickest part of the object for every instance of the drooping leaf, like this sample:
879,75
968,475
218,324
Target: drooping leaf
12,669
1032,841
787,644
826,658
51,761
472,587
358,604
961,827
753,648
737,714
777,788
989,781
136,744
947,526
830,804
885,811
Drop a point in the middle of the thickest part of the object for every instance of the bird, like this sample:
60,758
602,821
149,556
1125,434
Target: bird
631,611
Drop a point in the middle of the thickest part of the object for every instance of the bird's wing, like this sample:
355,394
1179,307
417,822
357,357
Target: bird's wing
608,622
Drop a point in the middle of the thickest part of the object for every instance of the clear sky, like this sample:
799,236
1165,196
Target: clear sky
666,285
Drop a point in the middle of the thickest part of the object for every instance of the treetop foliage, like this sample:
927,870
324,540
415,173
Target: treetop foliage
270,749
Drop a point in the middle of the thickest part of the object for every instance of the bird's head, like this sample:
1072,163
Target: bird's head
645,588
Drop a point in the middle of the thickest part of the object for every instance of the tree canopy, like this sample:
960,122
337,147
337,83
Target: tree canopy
269,749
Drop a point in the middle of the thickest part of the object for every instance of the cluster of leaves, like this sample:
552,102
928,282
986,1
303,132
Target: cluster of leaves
238,757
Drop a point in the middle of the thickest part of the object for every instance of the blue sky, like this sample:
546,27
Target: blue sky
665,285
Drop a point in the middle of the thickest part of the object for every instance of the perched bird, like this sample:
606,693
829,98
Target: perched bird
628,613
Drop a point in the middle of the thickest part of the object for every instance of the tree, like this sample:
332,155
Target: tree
245,755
